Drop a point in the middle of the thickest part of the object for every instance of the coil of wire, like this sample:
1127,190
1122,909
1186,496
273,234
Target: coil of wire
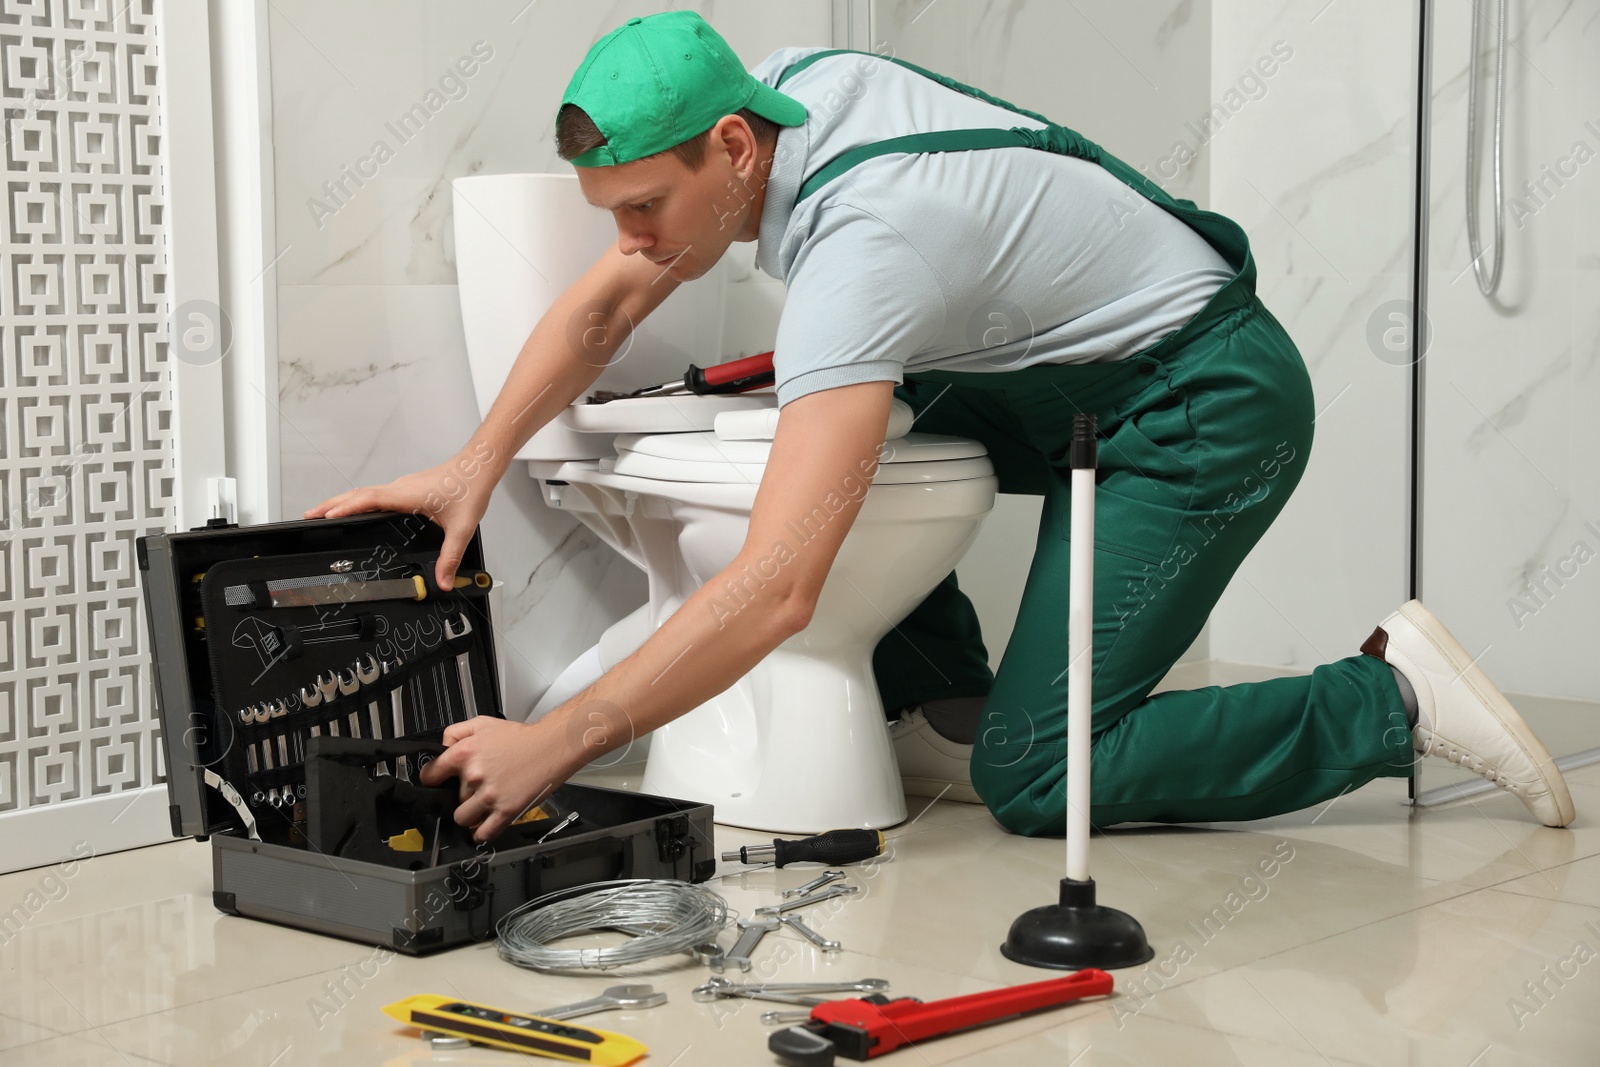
664,917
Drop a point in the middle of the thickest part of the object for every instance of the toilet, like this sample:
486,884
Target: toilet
800,743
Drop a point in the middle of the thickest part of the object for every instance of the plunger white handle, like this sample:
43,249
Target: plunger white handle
1080,666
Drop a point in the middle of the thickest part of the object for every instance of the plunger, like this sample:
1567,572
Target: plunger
1078,933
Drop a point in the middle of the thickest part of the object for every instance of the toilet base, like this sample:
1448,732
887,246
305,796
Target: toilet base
817,757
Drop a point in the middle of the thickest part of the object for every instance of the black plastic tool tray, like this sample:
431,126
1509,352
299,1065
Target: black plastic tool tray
214,658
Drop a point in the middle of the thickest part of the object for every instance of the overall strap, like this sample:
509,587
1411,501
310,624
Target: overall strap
949,83
943,141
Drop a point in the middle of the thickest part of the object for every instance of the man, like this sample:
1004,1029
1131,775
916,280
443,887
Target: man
999,274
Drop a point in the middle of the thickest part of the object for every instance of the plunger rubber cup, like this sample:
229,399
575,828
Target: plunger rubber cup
1077,933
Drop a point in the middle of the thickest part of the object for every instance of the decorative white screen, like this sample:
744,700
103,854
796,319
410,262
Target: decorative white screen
86,448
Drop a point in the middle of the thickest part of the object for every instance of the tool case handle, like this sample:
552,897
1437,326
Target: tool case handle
578,863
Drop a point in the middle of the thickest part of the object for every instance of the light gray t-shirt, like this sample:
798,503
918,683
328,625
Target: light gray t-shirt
983,260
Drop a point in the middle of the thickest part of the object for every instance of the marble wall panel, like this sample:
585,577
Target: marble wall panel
1131,76
1318,171
372,362
1512,487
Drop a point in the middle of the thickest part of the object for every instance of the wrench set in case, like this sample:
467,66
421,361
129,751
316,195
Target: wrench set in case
305,671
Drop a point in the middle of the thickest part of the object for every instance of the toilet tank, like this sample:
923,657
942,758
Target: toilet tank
521,240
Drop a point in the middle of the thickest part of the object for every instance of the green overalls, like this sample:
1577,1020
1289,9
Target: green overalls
1203,437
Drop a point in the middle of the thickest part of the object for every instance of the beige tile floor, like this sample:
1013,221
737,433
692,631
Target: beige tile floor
1385,936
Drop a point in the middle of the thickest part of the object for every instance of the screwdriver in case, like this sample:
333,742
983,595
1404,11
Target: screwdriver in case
832,848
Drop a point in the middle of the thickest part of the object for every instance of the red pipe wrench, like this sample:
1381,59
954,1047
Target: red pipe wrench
872,1026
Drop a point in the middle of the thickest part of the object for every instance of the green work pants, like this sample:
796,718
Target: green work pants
1202,439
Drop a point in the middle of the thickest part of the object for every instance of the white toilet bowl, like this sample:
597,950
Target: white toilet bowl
799,743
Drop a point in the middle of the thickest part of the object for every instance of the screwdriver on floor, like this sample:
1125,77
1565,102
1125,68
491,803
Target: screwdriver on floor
735,376
833,848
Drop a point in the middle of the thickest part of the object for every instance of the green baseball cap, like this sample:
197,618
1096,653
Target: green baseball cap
657,81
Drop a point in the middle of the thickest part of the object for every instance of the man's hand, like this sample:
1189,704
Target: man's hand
504,768
454,494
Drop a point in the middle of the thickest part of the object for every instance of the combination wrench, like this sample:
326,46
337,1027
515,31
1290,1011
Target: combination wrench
463,664
775,910
784,992
367,671
815,884
739,954
798,925
402,765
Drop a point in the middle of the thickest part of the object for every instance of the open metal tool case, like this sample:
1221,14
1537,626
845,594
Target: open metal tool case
301,683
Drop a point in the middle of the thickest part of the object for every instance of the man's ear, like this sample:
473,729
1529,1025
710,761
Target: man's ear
739,141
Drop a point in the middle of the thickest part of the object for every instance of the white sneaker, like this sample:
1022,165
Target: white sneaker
1464,718
931,765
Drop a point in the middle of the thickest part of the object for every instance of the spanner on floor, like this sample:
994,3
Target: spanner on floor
815,884
739,954
795,923
801,902
783,992
613,999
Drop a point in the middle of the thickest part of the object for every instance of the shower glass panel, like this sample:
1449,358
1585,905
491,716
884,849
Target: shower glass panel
1510,469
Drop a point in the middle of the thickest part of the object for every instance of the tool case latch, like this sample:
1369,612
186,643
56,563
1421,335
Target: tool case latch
472,885
672,838
418,941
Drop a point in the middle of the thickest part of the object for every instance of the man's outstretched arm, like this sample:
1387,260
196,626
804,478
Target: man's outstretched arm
823,457
571,344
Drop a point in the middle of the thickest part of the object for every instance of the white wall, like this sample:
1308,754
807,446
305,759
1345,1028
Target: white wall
1511,486
1318,171
373,378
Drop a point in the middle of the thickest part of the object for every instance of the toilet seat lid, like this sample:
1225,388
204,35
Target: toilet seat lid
672,414
704,457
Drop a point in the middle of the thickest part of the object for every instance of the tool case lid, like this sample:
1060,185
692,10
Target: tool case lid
196,733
